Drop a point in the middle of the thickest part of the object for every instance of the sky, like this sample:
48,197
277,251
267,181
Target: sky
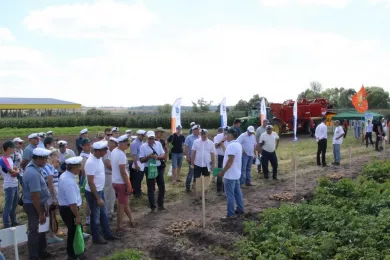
150,52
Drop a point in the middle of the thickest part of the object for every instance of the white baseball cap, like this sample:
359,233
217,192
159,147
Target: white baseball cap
150,134
251,129
18,140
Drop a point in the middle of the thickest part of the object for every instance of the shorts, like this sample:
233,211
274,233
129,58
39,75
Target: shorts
177,160
199,171
121,193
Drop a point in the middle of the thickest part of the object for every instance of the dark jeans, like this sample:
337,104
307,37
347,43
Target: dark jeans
11,195
152,187
220,187
98,216
369,137
36,241
136,178
378,141
68,218
269,157
312,132
190,177
322,144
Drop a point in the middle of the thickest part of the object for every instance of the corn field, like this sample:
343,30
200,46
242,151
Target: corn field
209,120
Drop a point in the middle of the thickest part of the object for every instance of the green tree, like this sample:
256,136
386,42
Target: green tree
255,101
314,91
377,97
219,107
97,112
164,109
242,105
345,99
201,105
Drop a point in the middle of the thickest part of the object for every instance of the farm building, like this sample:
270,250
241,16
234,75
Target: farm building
21,107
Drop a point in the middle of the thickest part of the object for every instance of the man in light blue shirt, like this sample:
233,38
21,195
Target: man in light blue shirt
41,140
28,151
35,196
136,170
187,151
248,142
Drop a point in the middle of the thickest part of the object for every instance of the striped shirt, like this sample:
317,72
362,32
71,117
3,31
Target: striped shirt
49,170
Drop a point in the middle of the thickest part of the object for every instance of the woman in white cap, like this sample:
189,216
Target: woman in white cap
35,197
69,200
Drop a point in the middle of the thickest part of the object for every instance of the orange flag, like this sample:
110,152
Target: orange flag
359,101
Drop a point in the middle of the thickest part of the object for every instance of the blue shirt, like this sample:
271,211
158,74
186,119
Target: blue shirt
34,181
189,142
49,170
68,190
41,145
136,147
28,152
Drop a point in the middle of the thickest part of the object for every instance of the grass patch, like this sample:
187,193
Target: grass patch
129,254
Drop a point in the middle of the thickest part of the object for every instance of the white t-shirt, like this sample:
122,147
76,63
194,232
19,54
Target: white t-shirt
118,157
269,141
337,132
203,152
217,139
95,167
9,181
234,172
248,143
145,151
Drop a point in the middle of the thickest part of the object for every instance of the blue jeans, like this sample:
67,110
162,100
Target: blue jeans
246,169
177,160
233,195
11,202
336,153
98,215
190,177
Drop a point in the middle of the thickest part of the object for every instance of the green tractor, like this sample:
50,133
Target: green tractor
253,118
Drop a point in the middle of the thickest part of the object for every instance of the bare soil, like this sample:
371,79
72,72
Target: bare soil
217,239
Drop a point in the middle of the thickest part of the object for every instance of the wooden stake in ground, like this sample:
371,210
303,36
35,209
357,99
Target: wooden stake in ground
203,203
295,174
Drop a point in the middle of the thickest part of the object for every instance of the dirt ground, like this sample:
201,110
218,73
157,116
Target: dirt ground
217,239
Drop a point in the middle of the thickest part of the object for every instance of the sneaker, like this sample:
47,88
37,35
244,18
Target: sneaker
85,235
54,240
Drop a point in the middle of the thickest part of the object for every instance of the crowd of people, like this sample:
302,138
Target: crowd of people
362,131
107,170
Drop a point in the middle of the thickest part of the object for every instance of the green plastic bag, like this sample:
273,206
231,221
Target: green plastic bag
170,146
152,169
82,187
216,171
78,241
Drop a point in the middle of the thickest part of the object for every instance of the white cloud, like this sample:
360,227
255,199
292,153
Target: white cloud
330,3
6,35
103,19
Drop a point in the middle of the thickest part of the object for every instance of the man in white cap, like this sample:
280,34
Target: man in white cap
121,181
94,194
50,134
152,152
128,132
248,142
28,151
42,137
269,142
259,131
17,157
137,168
65,154
202,161
35,197
83,135
115,132
231,173
109,192
69,200
191,126
188,151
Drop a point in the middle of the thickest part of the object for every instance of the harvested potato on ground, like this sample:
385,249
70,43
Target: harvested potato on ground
335,176
180,228
284,196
